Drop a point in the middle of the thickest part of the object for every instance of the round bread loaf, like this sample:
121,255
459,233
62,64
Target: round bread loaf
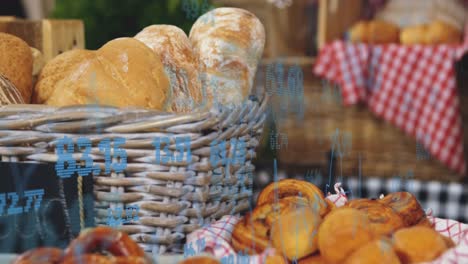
16,63
124,72
181,64
9,94
229,53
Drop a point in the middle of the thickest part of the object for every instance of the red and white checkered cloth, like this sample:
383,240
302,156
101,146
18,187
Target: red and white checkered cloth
413,87
217,238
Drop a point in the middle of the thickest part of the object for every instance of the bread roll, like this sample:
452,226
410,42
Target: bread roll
172,45
124,72
375,32
377,251
358,32
418,244
38,61
343,231
413,35
439,32
229,53
9,94
383,32
16,64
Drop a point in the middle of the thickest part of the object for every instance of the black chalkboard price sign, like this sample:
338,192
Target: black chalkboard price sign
38,208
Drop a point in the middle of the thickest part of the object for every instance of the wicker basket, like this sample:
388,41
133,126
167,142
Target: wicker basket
174,198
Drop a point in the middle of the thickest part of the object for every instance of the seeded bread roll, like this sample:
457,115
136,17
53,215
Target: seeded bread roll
173,46
16,64
229,43
123,73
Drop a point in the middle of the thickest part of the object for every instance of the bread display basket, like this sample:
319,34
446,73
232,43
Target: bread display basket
174,198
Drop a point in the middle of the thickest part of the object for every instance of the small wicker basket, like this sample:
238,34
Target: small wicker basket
175,198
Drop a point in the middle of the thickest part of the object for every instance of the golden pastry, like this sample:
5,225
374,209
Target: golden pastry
377,251
294,234
448,241
342,231
291,187
383,219
406,205
314,259
418,244
275,259
425,222
200,260
246,237
285,205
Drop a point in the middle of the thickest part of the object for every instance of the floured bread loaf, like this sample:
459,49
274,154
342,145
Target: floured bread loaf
16,64
172,45
229,53
124,72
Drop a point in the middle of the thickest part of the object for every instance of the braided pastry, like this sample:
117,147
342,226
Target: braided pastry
406,205
246,237
40,255
291,187
86,248
104,239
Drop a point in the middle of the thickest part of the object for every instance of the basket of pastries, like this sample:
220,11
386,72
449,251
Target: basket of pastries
293,222
167,124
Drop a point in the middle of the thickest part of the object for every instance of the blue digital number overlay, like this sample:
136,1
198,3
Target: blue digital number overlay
191,250
291,95
219,152
65,156
119,216
182,146
31,197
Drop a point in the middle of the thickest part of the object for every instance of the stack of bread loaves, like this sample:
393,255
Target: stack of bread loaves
161,68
